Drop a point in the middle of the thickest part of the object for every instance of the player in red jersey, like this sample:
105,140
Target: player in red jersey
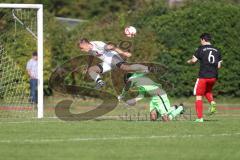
210,61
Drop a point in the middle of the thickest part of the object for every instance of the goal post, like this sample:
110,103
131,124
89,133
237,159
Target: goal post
39,8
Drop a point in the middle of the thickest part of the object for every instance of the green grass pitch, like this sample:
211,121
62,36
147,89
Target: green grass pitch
218,139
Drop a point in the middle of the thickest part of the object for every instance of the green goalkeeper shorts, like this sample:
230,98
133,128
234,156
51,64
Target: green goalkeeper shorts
161,104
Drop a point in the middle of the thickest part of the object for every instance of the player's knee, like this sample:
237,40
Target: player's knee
125,67
198,97
153,116
165,118
93,69
90,69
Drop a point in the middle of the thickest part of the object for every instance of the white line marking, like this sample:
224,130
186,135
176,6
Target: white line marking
117,138
12,122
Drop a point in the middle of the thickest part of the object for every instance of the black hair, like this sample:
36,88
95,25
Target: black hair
206,36
34,53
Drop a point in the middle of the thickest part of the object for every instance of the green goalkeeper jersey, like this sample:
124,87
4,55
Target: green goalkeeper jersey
159,100
145,85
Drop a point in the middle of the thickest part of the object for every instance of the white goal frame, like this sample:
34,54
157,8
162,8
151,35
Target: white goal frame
39,8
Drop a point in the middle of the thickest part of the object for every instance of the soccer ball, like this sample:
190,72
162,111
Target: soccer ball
130,31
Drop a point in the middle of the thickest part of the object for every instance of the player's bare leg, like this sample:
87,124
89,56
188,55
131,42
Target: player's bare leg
141,68
199,108
134,68
94,73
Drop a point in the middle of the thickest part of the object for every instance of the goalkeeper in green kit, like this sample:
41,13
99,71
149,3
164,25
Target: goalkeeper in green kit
159,105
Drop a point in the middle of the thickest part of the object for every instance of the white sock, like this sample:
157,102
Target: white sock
94,75
175,112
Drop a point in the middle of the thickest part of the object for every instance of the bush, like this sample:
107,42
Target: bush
177,34
170,36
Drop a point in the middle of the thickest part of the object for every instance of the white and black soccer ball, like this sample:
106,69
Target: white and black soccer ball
130,31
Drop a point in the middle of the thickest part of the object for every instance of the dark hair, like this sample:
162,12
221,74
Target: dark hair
83,40
206,36
35,53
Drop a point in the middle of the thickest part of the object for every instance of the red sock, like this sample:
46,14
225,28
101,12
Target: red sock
209,97
199,108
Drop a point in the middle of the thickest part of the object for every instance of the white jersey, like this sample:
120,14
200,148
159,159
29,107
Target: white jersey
102,53
32,67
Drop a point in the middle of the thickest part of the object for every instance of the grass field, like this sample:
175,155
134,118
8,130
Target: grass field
218,138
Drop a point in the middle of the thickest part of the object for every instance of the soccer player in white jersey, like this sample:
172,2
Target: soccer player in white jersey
111,58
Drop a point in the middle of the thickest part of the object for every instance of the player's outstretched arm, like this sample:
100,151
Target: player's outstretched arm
124,91
219,64
133,101
121,52
192,60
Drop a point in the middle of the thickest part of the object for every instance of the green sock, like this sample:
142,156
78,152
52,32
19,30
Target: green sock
175,112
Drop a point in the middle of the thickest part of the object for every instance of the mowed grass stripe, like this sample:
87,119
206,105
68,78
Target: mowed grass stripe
118,138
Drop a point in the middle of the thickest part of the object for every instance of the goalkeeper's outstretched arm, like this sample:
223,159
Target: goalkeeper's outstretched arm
133,101
124,91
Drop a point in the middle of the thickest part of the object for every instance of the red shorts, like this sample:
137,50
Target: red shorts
203,86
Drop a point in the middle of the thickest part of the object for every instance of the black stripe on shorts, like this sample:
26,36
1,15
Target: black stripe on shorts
163,103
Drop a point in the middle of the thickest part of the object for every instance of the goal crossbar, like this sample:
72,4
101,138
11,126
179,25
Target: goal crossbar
15,5
39,8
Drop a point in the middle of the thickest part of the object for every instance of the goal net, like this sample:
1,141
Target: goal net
21,32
